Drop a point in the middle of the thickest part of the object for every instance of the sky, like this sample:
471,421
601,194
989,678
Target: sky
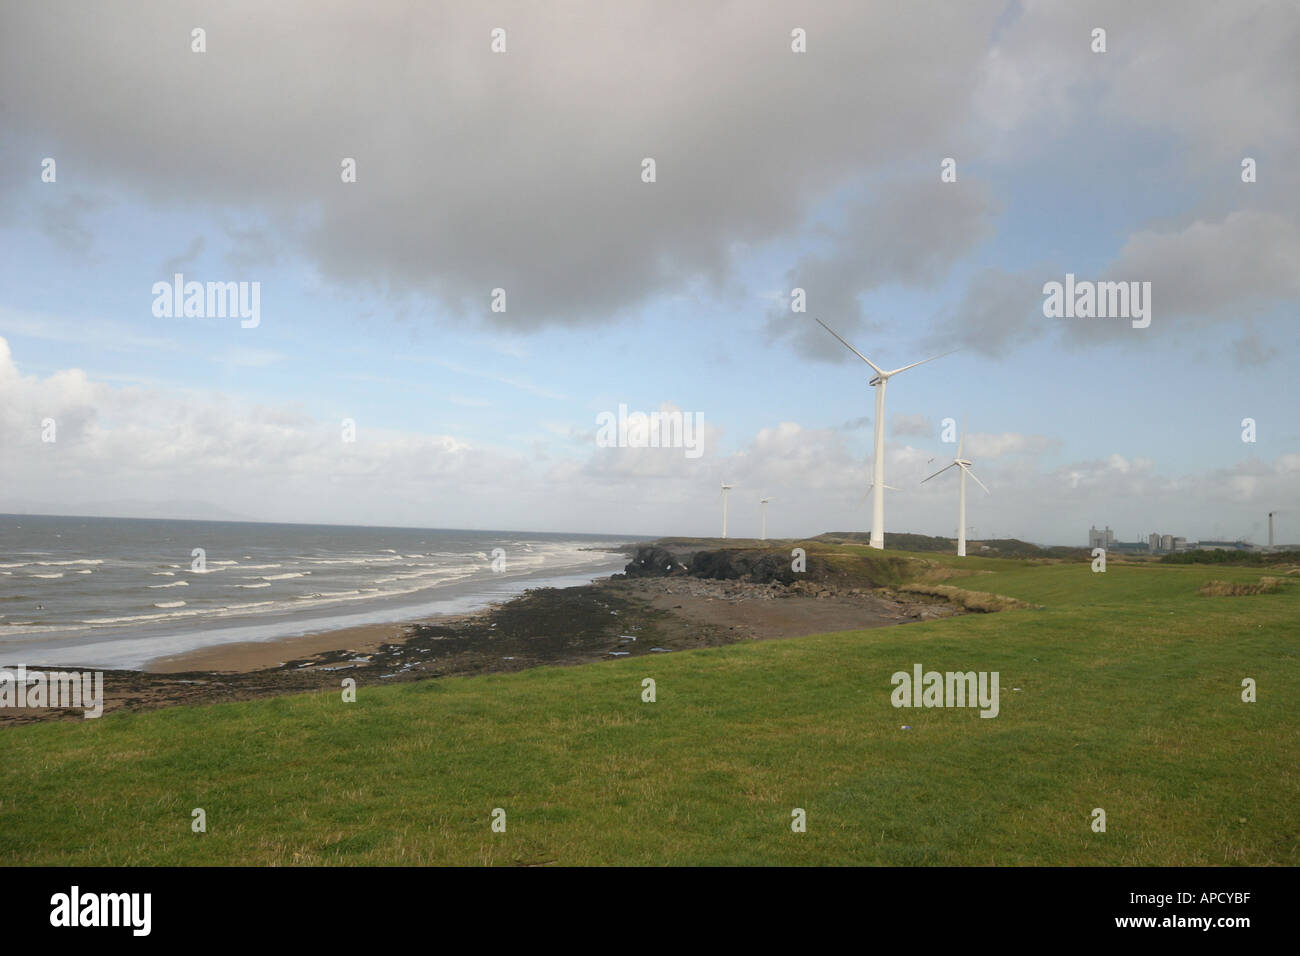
774,170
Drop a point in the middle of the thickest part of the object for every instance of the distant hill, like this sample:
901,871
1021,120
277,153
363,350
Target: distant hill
175,510
991,548
1247,559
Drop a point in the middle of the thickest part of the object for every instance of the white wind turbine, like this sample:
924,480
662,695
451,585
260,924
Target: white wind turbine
964,465
725,488
763,502
878,486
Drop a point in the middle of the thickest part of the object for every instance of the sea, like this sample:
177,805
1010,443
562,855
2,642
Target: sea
120,592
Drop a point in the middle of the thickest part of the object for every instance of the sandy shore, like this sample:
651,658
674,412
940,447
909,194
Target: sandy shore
246,656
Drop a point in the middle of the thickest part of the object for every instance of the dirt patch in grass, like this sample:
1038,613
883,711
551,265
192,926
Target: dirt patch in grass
1241,588
979,602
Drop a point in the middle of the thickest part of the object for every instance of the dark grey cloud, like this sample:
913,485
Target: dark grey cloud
178,262
63,220
999,312
518,170
1249,350
910,232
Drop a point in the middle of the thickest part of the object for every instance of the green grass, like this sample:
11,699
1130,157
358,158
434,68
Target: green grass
1129,700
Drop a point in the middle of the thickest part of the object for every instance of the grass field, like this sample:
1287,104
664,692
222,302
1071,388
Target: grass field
1129,700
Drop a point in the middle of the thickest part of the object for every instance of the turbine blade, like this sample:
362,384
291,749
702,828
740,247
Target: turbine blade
977,481
914,364
879,370
938,473
961,441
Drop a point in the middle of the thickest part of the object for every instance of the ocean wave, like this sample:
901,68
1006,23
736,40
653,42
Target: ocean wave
250,585
138,618
364,559
172,584
166,604
286,576
56,574
81,561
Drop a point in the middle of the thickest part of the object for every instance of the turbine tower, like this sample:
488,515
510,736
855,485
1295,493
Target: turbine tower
763,502
964,465
1270,527
877,489
725,488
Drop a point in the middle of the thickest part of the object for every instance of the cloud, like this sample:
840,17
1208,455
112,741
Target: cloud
909,232
904,424
999,311
518,170
279,461
63,220
1219,77
1249,350
1001,444
177,263
1216,268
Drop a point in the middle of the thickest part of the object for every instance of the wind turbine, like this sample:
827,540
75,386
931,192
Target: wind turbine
964,465
725,488
1270,527
878,486
763,502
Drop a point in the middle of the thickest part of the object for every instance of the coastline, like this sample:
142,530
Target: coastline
606,619
141,648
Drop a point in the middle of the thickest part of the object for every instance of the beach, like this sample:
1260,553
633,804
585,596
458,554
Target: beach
608,619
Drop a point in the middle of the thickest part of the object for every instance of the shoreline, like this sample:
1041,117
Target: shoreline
204,643
606,619
242,657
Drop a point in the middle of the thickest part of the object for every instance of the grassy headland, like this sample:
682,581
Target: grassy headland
1119,690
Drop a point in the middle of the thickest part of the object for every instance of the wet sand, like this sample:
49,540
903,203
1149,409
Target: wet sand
246,656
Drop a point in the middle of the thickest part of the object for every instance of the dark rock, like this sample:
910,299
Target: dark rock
763,567
650,561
